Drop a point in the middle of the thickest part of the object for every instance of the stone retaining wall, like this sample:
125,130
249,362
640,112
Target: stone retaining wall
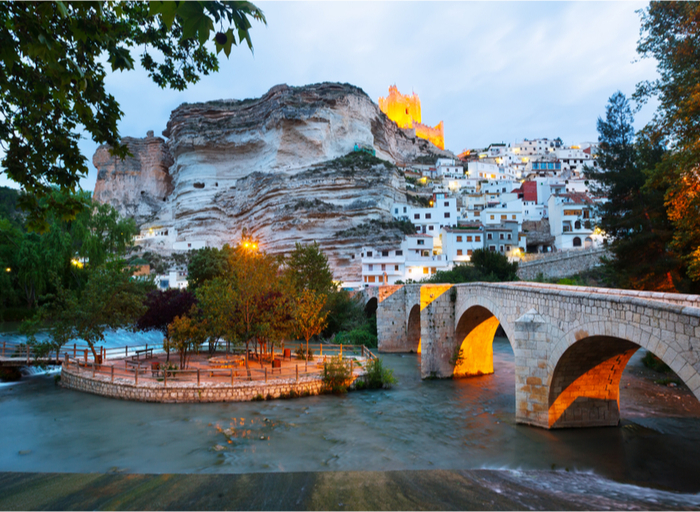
561,264
187,392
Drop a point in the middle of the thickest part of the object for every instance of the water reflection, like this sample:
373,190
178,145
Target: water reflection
450,424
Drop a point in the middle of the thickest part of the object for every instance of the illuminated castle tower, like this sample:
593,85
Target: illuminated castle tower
405,112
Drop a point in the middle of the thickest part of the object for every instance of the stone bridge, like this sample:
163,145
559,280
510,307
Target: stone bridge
571,343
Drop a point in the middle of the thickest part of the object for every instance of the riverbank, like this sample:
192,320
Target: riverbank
371,490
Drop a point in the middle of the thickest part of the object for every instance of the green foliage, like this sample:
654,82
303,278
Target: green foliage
206,264
38,263
307,268
373,226
53,79
357,161
654,363
336,375
379,376
345,313
485,265
359,336
302,353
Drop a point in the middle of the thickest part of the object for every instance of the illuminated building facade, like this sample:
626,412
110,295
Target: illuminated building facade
404,110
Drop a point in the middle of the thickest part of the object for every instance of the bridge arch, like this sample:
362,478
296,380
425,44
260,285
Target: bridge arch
371,306
476,323
585,371
413,329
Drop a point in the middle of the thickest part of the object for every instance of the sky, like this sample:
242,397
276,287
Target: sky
492,71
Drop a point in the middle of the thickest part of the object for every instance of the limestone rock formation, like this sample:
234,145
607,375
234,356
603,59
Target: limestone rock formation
275,165
139,185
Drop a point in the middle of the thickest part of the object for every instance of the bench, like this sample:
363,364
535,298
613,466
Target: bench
147,351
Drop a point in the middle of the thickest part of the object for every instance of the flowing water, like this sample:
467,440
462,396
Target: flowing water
449,424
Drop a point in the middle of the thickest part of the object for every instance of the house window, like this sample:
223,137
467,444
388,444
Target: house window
396,268
492,217
577,241
477,213
430,228
513,217
416,215
365,279
428,215
501,248
492,248
477,238
370,267
459,252
459,238
504,217
469,252
447,215
404,209
420,242
399,253
489,236
385,253
369,254
432,270
507,247
380,279
189,245
577,224
396,210
510,237
425,270
469,239
383,267
502,237
370,279
447,203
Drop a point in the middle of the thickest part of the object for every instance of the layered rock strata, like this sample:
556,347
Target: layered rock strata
271,165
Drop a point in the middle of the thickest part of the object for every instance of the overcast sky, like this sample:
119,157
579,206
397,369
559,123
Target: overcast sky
492,71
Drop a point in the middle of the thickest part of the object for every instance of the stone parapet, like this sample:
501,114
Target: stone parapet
188,392
561,264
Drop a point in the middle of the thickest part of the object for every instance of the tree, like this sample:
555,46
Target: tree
111,300
671,35
494,266
185,334
162,307
309,318
307,267
207,263
52,78
633,216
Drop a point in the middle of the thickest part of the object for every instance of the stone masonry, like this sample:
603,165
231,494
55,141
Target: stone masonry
561,264
571,343
188,392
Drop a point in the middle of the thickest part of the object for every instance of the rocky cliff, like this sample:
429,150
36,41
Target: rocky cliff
275,165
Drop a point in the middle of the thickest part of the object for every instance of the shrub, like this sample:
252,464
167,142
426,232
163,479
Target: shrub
358,336
336,375
378,376
300,353
656,364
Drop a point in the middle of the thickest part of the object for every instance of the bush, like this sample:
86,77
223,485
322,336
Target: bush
336,375
300,353
359,336
654,363
378,376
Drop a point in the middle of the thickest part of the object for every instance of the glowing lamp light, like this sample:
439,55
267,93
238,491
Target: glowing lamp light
8,269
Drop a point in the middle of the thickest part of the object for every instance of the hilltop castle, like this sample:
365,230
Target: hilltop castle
405,111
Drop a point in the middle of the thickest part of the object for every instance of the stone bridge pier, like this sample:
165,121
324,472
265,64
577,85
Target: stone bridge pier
571,344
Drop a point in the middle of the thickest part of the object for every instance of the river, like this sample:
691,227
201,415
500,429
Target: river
447,424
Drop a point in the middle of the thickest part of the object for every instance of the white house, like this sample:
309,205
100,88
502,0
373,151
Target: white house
443,212
458,243
415,259
572,222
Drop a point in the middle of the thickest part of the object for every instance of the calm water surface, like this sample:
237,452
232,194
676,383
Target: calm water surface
449,424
